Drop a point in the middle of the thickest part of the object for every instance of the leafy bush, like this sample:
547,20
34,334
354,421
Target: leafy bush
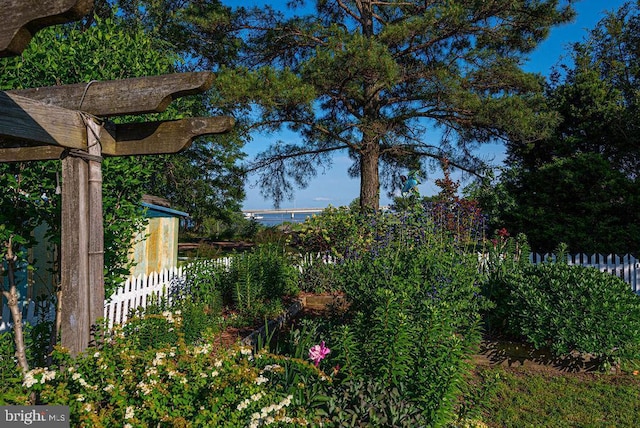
364,403
316,276
128,381
415,322
502,255
255,282
10,374
572,308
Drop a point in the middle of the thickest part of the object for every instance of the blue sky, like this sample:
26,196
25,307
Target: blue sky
334,187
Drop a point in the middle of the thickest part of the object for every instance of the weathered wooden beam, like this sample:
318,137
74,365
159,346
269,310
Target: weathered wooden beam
35,153
133,139
126,96
163,137
21,19
75,305
96,227
25,120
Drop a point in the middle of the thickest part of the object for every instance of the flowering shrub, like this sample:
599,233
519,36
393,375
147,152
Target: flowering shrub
120,384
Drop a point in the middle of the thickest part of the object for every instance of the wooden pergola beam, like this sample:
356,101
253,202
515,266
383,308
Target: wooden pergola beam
164,137
126,96
21,19
147,138
24,120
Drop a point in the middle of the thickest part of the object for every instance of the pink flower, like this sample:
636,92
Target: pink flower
317,353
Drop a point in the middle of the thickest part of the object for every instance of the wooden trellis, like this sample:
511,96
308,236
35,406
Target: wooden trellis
68,123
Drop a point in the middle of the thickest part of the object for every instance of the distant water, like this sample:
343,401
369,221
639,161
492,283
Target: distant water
279,218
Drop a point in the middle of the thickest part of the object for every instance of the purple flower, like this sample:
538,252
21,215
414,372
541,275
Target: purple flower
317,353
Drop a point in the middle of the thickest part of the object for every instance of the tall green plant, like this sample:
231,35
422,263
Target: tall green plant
255,282
415,321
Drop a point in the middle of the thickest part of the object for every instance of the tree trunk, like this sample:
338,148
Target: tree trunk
16,315
369,176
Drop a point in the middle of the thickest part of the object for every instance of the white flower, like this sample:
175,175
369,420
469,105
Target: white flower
214,373
80,397
76,376
159,359
261,379
217,363
96,355
108,388
129,413
272,368
48,375
29,380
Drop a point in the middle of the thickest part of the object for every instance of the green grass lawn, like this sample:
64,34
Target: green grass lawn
521,398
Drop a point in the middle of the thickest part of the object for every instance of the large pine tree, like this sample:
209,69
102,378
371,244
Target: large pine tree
373,78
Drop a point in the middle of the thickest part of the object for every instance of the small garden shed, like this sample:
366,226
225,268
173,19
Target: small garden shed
156,247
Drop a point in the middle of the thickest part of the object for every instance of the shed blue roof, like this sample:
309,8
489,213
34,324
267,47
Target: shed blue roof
160,211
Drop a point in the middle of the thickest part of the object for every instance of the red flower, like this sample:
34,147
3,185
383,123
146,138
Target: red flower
503,232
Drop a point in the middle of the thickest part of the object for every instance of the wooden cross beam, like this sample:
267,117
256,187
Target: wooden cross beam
119,97
24,120
147,138
22,18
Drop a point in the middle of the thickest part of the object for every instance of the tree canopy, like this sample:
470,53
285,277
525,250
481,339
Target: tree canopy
372,79
580,185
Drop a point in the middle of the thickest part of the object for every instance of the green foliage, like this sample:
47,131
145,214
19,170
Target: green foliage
415,322
317,276
579,185
371,80
152,330
131,380
572,308
255,282
503,255
338,231
10,373
370,402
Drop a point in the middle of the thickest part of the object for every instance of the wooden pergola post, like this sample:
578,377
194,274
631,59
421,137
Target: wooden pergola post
74,270
82,248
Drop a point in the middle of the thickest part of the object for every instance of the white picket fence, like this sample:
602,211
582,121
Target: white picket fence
138,292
